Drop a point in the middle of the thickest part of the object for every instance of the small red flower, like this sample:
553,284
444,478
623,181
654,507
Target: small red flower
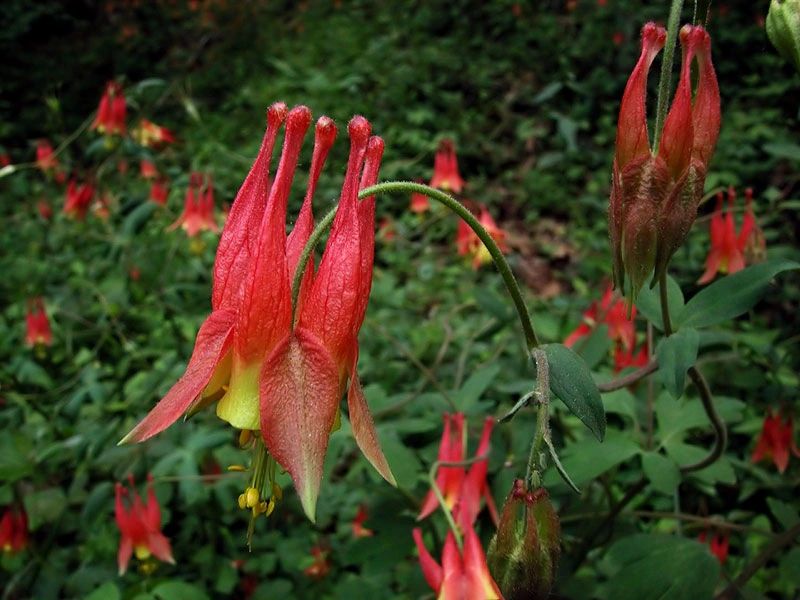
359,530
613,312
719,544
445,169
629,358
45,158
111,111
5,159
44,209
159,190
386,230
727,254
469,244
149,134
140,526
198,209
78,199
13,530
462,575
147,169
462,490
37,324
321,566
776,441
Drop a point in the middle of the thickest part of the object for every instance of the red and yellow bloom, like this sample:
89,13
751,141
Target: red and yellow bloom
37,325
149,134
445,169
111,111
270,366
198,207
13,530
469,244
78,199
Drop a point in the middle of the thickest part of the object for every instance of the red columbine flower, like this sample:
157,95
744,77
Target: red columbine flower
198,208
112,111
359,530
140,526
776,441
147,169
37,324
159,190
462,490
462,575
13,530
624,359
78,199
273,371
46,161
321,566
654,198
718,543
469,244
445,169
612,312
728,248
151,135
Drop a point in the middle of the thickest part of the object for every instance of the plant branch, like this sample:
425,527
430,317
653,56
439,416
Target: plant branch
666,70
621,382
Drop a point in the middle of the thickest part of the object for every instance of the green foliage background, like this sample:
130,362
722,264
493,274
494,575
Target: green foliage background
530,94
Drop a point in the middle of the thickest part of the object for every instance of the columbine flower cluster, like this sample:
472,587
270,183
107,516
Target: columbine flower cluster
276,370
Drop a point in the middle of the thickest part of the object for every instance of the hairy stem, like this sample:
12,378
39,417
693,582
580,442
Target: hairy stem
666,70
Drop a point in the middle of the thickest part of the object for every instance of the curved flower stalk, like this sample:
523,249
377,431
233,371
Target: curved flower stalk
272,367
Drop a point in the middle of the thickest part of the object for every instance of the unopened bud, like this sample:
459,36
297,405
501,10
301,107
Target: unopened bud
523,555
783,29
251,497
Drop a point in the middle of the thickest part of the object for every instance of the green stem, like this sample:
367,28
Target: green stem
542,393
531,341
666,70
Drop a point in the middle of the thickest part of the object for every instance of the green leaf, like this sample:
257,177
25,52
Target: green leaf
786,514
733,295
675,355
649,302
663,567
661,471
571,381
783,150
172,590
15,457
44,506
589,458
474,387
107,591
594,348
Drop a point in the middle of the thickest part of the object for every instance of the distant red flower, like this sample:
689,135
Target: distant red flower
151,135
718,543
386,231
45,210
159,190
198,210
122,166
37,324
135,273
776,441
45,158
461,489
617,38
445,169
5,159
469,244
140,526
612,312
627,358
112,111
147,169
727,254
359,530
101,207
462,575
320,568
419,202
78,199
13,530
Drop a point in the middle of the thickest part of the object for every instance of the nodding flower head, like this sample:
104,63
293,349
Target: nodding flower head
111,111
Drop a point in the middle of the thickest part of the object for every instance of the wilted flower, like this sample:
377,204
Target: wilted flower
654,198
13,530
445,169
729,248
718,543
159,190
140,526
469,244
149,134
147,169
776,441
111,111
78,199
523,555
359,530
462,575
37,325
263,361
198,208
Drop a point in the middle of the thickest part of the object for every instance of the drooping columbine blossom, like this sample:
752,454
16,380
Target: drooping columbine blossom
359,530
776,441
78,198
111,111
269,371
140,526
159,190
37,325
445,169
150,135
461,489
718,543
654,198
13,530
728,248
462,575
198,208
612,312
469,244
624,359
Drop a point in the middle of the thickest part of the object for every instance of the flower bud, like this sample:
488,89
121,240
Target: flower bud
783,29
523,555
